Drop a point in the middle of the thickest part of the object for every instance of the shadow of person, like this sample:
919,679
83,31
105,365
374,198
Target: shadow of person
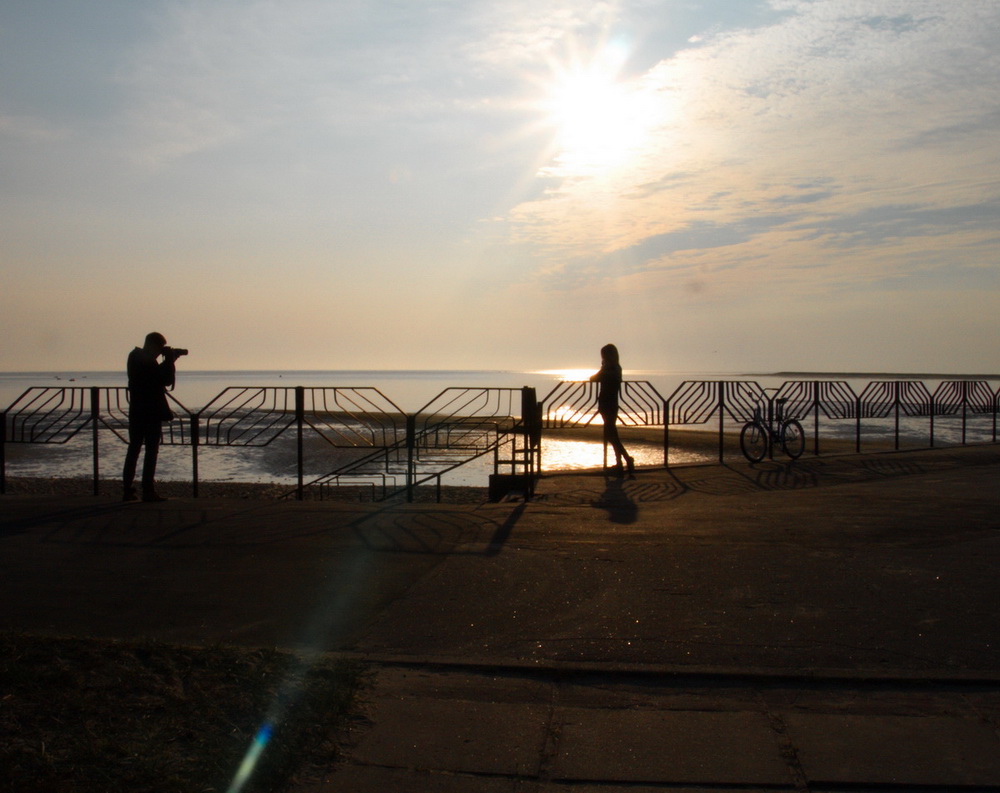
619,505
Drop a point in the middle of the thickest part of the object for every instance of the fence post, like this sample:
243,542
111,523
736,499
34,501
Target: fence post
965,406
3,451
411,440
666,433
770,423
996,401
722,421
895,393
857,424
539,426
95,414
816,400
300,418
532,419
933,409
195,430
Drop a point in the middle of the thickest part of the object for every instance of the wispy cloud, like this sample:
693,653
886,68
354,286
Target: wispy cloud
831,129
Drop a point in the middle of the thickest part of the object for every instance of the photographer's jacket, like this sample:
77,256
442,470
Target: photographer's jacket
148,381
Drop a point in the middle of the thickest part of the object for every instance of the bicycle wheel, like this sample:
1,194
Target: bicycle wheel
753,441
793,439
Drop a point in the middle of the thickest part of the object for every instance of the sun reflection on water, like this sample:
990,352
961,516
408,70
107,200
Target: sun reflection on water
576,455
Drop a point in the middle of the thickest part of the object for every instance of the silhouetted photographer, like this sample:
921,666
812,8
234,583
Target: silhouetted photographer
149,377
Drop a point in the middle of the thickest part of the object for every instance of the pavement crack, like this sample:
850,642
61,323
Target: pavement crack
787,749
552,734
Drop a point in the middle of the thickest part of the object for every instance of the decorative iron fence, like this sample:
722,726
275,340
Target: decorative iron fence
574,404
731,403
57,415
456,427
344,417
462,424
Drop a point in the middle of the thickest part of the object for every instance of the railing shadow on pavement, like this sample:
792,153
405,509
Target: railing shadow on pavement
16,524
435,531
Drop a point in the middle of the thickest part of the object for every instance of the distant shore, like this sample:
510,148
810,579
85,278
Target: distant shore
875,375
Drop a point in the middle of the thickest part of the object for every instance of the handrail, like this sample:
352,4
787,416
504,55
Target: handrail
573,403
48,415
343,416
471,421
474,420
57,414
697,402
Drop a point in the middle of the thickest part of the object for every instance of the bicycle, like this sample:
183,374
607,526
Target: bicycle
761,432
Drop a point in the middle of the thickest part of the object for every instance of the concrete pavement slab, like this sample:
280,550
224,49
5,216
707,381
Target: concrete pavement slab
668,747
831,569
456,736
370,779
895,750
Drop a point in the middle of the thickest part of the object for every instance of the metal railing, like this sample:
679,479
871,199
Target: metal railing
459,425
696,402
343,417
892,400
730,403
573,404
57,415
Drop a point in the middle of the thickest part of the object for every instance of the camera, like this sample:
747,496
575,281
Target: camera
174,352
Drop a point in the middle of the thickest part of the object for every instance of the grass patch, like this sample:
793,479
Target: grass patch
92,715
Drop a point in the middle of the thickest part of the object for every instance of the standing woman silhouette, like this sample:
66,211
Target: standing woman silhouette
610,380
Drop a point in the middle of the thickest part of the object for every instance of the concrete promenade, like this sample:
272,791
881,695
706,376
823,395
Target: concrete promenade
828,624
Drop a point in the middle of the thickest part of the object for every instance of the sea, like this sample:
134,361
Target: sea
411,390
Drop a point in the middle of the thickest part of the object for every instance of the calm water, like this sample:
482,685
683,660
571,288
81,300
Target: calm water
410,391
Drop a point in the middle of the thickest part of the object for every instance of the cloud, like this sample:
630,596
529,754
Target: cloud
828,130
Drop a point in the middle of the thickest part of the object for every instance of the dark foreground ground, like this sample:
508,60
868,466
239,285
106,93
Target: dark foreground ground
826,624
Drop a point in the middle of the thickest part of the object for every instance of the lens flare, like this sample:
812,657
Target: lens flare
257,746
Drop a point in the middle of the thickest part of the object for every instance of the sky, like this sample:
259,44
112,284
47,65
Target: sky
717,186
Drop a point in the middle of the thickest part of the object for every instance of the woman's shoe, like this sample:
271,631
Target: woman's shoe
630,462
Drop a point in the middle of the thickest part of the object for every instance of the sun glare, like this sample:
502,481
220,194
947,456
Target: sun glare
598,118
570,375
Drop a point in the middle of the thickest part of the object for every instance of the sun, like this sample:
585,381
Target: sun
598,118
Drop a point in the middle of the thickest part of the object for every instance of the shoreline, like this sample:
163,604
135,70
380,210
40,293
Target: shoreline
700,447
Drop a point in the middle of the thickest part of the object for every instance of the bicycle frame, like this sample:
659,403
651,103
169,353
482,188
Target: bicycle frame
770,413
771,425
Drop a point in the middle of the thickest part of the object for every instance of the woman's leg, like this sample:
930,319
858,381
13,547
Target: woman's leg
612,438
610,419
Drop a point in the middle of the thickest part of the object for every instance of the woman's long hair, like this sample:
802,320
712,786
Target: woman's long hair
609,353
